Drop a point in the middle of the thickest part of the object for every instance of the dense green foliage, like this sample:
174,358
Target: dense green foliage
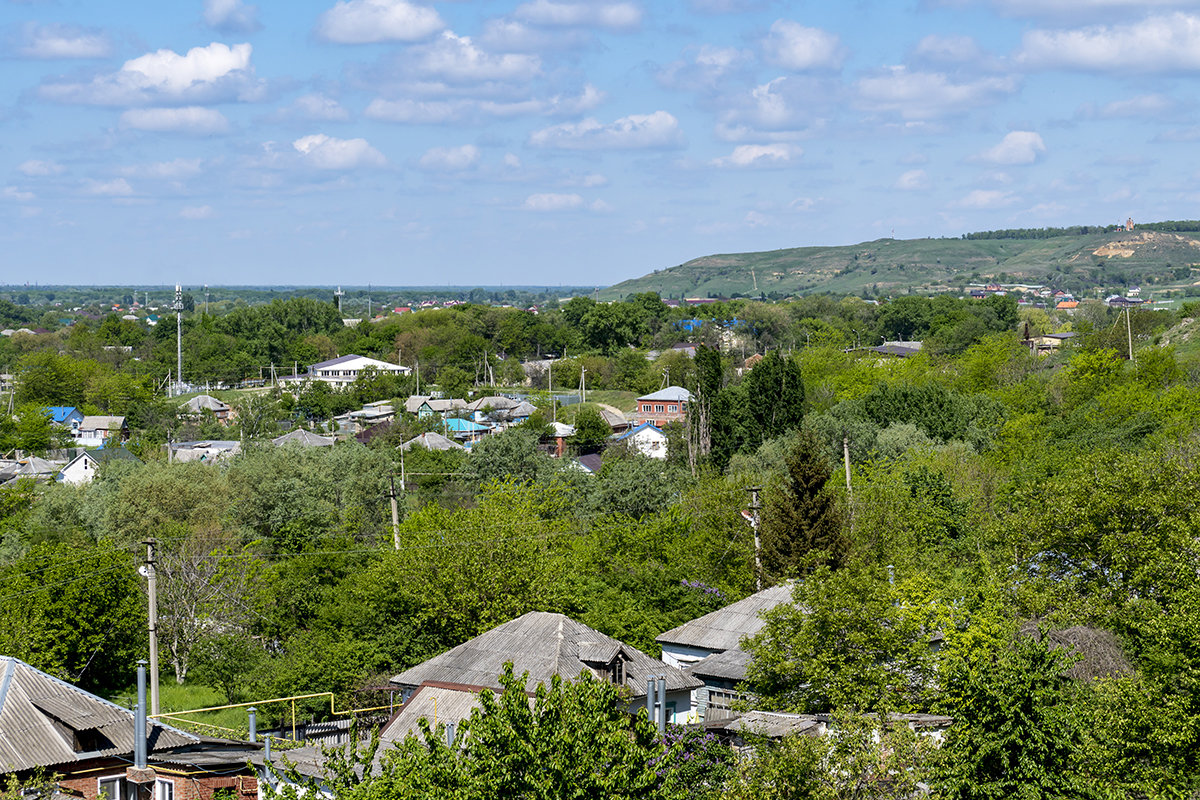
990,487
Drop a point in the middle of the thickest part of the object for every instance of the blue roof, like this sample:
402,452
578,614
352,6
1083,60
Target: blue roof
465,426
60,413
632,431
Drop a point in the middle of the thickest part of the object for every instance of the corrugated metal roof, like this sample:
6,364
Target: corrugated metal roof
32,702
303,438
545,645
724,628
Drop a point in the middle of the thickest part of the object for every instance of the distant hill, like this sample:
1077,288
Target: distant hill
1079,262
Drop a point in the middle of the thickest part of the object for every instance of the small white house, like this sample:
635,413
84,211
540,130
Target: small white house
82,468
646,439
342,370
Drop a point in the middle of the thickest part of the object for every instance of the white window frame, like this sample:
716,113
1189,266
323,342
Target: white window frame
164,789
122,787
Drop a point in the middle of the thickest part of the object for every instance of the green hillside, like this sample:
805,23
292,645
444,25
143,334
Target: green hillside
1075,263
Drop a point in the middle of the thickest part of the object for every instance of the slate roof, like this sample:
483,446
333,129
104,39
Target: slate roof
204,402
724,628
675,394
727,666
545,645
102,423
432,441
438,703
303,438
494,402
40,715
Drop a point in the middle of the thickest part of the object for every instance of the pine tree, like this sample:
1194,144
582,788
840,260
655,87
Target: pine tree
802,523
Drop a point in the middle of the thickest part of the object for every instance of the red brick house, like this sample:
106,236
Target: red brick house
87,745
663,406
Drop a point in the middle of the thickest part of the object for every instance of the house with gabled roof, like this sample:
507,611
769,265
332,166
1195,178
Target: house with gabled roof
82,468
646,439
67,417
98,430
49,726
709,649
204,402
545,644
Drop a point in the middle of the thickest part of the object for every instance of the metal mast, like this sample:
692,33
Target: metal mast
339,294
178,306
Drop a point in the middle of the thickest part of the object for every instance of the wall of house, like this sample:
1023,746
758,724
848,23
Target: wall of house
187,787
682,655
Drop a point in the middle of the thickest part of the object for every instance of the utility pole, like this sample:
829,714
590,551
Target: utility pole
754,509
178,306
1129,333
206,300
339,294
395,509
849,488
152,583
582,385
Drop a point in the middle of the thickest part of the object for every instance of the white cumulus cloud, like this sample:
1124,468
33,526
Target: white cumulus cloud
553,202
189,119
457,59
62,41
1017,147
612,16
987,198
164,170
1160,43
636,131
204,74
760,155
13,193
450,159
317,107
923,95
39,169
326,152
367,21
196,212
118,187
796,47
231,16
911,181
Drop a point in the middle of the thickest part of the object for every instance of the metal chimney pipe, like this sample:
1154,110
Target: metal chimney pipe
139,724
662,703
650,698
267,750
253,724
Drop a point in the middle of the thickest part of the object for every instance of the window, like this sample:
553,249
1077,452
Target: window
115,788
673,409
670,712
658,409
164,789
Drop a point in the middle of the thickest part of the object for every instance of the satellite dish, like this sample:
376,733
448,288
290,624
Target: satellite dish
144,570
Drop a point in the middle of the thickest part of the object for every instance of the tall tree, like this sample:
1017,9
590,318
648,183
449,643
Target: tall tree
802,522
1015,734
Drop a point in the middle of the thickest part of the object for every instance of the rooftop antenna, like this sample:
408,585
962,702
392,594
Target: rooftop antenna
178,307
339,294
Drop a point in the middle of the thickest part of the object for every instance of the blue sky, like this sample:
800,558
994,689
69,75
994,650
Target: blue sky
569,142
